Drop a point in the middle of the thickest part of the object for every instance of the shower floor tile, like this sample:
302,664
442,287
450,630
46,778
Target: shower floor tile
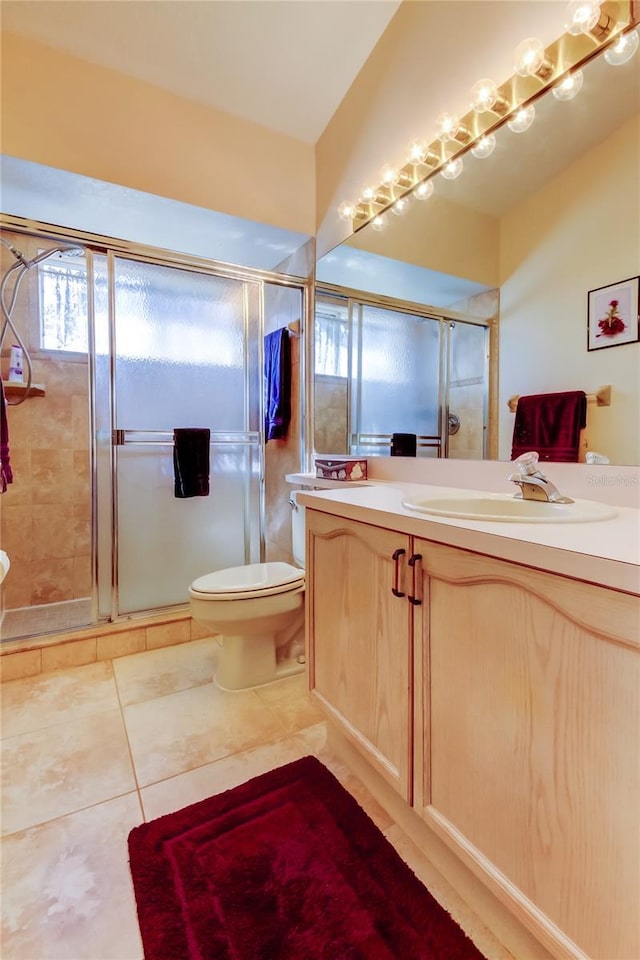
45,618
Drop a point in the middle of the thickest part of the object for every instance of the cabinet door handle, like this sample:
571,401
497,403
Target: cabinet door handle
413,561
396,572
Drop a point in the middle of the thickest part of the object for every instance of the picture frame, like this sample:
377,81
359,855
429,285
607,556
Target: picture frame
612,314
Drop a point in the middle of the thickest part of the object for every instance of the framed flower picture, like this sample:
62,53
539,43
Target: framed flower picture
613,315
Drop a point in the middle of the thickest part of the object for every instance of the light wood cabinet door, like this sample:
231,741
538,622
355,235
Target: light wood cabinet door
359,638
527,744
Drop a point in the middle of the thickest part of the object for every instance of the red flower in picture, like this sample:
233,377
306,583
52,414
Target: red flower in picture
612,323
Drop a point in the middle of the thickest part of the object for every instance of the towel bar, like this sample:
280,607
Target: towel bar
602,398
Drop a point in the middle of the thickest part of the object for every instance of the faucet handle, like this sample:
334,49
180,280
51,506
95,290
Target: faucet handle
527,463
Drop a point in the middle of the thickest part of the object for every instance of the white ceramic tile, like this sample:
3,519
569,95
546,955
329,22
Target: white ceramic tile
291,698
156,673
212,778
34,703
67,891
53,772
184,730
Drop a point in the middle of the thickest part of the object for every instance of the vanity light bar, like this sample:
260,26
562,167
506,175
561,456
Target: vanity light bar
561,58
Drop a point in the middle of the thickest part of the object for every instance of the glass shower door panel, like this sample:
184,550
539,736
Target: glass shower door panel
180,348
165,543
181,360
395,376
468,389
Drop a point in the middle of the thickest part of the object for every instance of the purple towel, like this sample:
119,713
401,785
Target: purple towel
6,474
277,384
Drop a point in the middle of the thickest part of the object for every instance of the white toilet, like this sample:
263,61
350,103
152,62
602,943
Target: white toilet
259,611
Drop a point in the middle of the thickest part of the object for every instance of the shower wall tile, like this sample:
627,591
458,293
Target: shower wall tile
79,421
19,493
53,430
82,581
17,586
19,422
52,534
51,580
74,654
49,472
81,533
16,533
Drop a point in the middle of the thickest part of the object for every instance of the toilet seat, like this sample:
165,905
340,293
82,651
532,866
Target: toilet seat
247,582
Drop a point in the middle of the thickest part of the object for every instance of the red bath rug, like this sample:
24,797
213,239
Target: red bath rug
284,867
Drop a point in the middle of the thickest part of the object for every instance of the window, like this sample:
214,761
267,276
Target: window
62,282
331,339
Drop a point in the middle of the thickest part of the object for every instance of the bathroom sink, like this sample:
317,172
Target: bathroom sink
506,508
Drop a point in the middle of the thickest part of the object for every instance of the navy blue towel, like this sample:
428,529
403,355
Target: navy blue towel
191,461
277,384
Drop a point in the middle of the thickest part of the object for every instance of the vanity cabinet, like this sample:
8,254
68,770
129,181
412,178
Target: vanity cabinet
359,639
503,705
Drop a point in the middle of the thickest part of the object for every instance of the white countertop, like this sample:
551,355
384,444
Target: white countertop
605,552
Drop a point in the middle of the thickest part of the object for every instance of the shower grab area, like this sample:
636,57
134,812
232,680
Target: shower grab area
125,346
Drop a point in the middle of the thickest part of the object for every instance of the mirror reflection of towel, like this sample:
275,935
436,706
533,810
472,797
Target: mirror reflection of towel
550,423
191,461
403,444
277,384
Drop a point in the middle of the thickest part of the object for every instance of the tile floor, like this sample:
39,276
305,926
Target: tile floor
90,752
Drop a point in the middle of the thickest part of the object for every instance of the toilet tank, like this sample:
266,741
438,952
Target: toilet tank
297,530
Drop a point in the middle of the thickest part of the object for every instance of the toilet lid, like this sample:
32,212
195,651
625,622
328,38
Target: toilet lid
253,579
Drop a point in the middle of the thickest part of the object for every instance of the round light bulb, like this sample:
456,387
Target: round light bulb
417,151
368,195
378,223
400,206
484,94
582,16
522,120
447,126
623,49
484,147
388,175
529,57
347,210
570,86
452,169
424,190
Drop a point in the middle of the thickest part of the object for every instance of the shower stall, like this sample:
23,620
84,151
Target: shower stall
127,344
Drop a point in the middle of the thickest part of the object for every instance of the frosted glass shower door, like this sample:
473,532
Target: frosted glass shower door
395,379
183,358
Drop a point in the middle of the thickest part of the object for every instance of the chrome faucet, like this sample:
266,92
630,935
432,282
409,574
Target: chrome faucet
533,483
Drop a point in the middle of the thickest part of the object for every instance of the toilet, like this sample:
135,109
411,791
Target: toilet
258,610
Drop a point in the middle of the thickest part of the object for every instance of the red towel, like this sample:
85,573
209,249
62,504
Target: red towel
550,423
6,475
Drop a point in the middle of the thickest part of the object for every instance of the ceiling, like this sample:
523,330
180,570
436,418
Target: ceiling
282,64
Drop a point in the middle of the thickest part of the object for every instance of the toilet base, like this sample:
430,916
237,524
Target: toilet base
250,661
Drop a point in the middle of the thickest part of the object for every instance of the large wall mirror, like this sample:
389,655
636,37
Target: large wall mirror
497,263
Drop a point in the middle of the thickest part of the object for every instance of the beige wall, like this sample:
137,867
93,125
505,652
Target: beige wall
66,113
580,232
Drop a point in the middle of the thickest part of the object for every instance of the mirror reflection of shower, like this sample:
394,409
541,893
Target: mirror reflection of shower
383,368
